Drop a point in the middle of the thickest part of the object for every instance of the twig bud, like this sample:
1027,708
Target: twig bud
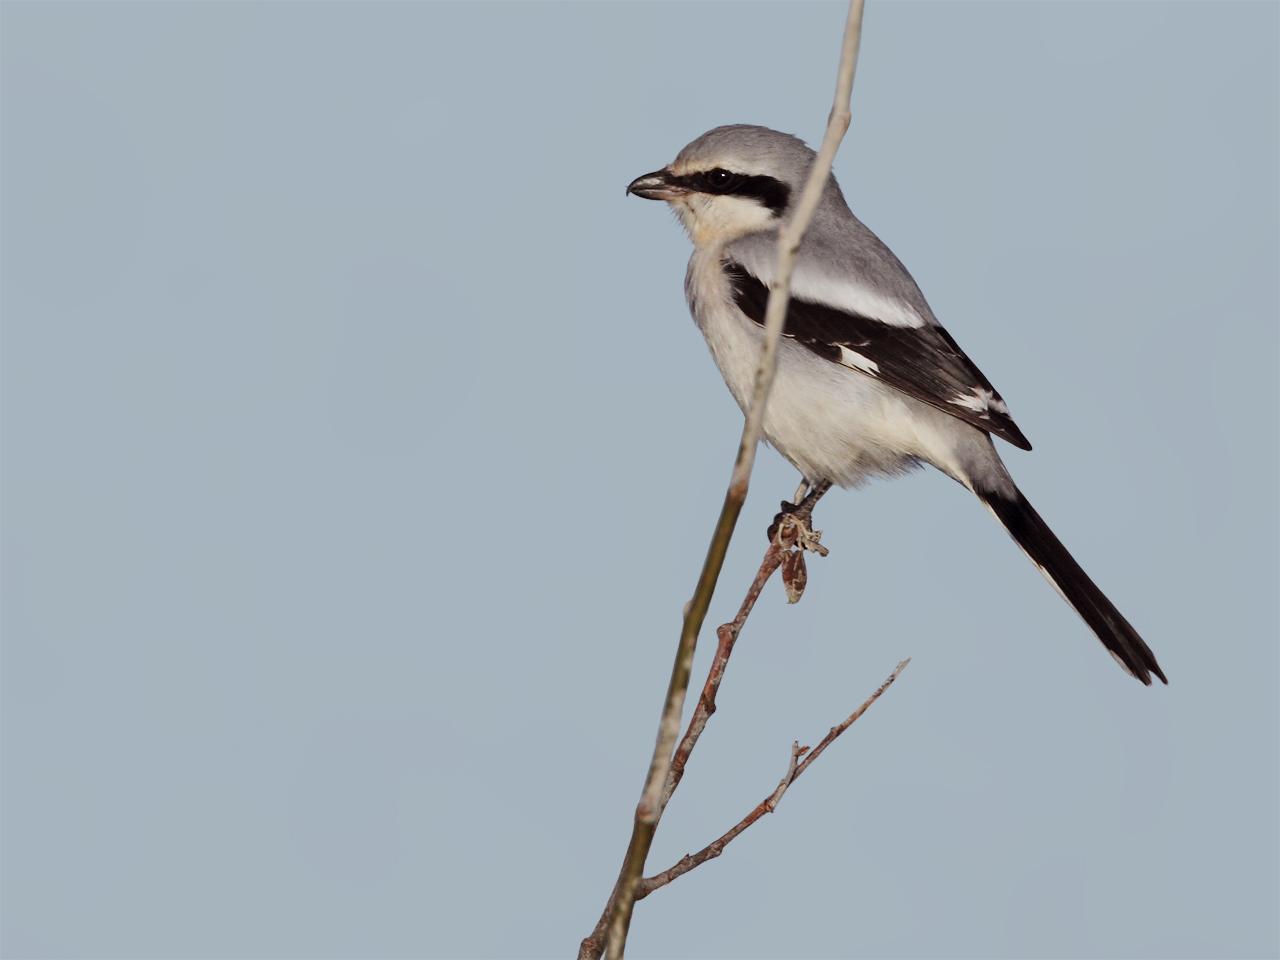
794,575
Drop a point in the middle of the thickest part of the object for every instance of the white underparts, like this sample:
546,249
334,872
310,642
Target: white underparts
833,420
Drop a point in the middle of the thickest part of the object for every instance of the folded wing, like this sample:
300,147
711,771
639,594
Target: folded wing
921,360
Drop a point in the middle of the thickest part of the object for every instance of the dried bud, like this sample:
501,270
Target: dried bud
794,575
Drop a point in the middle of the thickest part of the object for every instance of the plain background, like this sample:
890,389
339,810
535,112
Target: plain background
359,455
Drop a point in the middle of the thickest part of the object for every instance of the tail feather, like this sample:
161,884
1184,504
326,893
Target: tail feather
1046,551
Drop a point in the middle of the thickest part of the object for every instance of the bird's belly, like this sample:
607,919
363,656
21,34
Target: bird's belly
829,421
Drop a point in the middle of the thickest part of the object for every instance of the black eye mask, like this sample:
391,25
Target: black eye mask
767,191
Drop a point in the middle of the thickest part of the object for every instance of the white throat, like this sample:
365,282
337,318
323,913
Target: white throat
714,221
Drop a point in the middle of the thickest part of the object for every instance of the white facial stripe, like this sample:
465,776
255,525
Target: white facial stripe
735,166
851,358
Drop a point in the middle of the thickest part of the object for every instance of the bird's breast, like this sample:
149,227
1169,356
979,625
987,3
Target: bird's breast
829,421
734,339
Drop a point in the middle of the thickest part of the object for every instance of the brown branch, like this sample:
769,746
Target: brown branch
769,803
790,533
727,635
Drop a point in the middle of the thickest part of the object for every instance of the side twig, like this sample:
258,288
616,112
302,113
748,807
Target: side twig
770,803
727,636
649,809
781,541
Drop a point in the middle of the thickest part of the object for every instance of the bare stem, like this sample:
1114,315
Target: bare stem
727,635
652,800
593,944
770,803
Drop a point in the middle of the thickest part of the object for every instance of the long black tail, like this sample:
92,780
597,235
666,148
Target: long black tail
1046,551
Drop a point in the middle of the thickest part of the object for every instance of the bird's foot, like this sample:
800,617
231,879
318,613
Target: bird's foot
792,529
792,532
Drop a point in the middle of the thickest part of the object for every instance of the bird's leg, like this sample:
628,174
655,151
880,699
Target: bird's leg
790,506
791,527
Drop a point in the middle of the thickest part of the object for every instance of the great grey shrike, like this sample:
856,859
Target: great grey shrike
868,381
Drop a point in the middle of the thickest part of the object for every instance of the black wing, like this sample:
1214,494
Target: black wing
923,362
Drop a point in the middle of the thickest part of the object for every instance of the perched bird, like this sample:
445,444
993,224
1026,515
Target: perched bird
868,382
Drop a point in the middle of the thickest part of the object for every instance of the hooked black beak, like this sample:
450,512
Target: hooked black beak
656,186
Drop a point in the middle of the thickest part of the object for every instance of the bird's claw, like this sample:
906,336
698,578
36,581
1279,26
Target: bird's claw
791,529
791,532
788,510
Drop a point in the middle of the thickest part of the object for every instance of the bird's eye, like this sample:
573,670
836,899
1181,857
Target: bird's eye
720,178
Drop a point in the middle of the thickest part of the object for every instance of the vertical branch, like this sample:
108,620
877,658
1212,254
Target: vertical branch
789,237
652,802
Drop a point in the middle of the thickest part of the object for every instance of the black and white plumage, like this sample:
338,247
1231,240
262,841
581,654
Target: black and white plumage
923,362
868,382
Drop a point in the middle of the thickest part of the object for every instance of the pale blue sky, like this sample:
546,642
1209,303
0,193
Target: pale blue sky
359,454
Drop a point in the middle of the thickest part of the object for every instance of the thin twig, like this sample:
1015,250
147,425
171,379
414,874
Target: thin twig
593,944
727,635
649,809
769,803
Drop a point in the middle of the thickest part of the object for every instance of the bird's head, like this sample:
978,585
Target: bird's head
730,182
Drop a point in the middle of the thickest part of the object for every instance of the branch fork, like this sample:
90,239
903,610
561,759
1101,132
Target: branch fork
801,758
790,536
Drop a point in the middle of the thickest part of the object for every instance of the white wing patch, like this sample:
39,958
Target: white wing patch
981,401
842,291
851,358
852,297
